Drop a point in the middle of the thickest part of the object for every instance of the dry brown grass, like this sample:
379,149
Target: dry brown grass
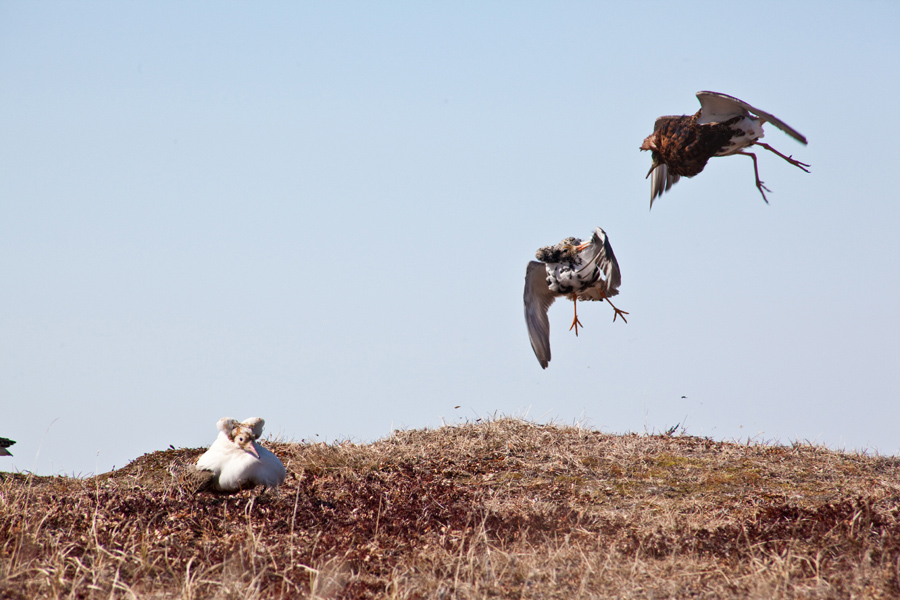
504,509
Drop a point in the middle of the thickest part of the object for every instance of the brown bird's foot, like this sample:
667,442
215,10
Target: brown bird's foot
759,184
790,159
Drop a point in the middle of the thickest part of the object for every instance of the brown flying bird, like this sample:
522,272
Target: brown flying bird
724,125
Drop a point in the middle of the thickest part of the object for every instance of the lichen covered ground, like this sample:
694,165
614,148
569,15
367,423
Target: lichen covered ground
499,509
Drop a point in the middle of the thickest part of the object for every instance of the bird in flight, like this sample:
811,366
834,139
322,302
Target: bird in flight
4,444
724,125
235,461
574,269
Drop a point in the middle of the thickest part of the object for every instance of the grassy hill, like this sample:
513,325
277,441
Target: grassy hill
505,509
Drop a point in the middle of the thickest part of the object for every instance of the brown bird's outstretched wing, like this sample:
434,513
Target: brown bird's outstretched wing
716,107
538,299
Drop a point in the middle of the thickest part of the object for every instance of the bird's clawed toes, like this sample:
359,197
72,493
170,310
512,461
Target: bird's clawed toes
802,165
576,324
762,190
619,313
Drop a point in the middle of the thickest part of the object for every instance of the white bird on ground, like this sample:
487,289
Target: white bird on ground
236,461
574,269
4,444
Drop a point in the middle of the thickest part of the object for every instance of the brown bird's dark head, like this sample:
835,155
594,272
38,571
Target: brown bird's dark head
649,142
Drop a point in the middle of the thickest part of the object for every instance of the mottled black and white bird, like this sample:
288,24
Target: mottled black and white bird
574,269
4,444
723,126
236,462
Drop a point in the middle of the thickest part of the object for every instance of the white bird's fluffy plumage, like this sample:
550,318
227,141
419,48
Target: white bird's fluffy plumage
590,274
235,459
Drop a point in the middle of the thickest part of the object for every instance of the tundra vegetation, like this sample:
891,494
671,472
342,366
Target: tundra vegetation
502,508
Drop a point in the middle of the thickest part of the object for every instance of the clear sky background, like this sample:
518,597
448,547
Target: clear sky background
321,213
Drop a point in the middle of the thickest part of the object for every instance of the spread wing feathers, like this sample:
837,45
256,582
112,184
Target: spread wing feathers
600,252
254,424
538,299
4,444
661,182
716,107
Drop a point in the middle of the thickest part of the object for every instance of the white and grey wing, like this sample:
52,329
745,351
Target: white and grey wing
714,106
4,444
607,262
254,424
661,182
538,299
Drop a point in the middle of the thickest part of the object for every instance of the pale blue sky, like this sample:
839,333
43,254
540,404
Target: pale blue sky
321,214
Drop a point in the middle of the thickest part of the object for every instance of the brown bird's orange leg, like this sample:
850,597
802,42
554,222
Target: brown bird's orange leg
575,322
759,184
790,159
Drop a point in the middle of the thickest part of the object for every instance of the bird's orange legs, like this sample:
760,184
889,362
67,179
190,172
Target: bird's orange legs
576,323
619,313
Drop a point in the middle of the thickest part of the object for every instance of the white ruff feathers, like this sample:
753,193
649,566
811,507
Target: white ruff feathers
237,462
572,269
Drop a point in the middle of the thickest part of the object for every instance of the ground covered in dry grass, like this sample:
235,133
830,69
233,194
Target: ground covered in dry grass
502,509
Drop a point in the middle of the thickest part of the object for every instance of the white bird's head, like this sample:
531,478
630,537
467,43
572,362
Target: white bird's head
244,438
244,435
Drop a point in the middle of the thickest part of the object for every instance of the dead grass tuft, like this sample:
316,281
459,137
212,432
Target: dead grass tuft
503,508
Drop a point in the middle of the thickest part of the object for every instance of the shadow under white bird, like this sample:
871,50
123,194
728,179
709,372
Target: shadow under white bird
574,269
235,461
